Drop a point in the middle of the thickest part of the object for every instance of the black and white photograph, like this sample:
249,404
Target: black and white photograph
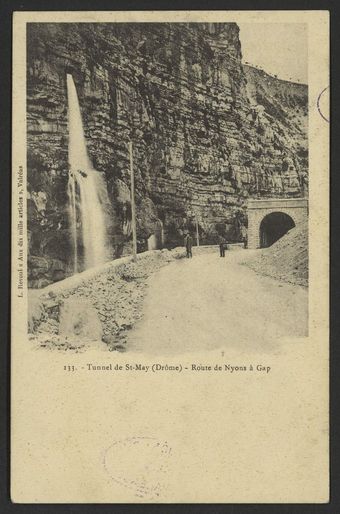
167,185
170,242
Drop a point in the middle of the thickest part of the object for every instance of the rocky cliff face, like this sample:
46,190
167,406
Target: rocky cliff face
207,132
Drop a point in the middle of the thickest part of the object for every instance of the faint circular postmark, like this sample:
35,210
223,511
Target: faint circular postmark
323,104
139,464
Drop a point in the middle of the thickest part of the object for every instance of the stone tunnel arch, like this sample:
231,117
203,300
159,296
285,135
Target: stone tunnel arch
284,212
273,226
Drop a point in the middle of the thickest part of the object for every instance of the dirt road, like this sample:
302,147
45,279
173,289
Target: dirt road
208,302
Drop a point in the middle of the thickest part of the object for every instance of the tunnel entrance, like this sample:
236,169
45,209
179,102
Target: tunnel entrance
273,226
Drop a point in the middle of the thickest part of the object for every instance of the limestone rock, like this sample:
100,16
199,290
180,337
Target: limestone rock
208,133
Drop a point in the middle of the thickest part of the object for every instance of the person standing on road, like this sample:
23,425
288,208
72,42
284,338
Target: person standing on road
244,235
223,247
188,245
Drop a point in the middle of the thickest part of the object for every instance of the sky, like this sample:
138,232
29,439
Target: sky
277,48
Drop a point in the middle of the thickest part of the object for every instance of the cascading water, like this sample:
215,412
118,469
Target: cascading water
86,191
156,240
152,242
162,238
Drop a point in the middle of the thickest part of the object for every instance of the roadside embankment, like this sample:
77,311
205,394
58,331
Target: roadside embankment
98,305
285,260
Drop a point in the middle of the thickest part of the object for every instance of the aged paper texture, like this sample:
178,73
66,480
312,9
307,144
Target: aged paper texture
170,257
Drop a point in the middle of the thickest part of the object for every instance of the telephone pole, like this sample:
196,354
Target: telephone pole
133,207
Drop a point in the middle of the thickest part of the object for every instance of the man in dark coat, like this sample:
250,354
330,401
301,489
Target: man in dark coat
188,245
223,247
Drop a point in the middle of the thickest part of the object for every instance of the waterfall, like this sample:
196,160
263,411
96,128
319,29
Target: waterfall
152,242
71,190
162,237
156,241
87,192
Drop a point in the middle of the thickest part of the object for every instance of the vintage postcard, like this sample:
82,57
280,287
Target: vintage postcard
170,257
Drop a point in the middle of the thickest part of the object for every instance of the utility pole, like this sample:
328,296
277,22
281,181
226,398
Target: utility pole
197,234
133,207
